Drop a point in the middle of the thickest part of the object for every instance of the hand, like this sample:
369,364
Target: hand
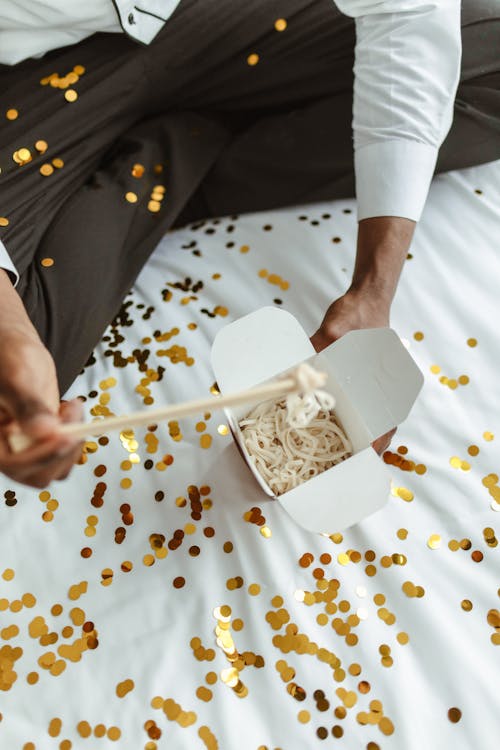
29,402
354,310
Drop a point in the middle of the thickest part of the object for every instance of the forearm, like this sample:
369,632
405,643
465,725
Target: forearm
383,243
382,246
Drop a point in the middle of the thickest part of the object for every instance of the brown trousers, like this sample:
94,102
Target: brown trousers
220,135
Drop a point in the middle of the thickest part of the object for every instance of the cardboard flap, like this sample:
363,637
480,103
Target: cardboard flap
378,375
361,487
257,347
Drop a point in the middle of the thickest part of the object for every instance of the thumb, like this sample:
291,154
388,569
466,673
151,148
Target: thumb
34,418
320,341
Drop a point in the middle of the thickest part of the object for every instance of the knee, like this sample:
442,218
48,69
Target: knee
479,11
481,42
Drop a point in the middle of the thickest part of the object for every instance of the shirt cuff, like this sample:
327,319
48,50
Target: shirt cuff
393,178
7,265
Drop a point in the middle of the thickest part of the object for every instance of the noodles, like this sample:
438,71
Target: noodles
294,439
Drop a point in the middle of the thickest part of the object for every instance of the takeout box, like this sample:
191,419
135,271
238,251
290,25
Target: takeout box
374,381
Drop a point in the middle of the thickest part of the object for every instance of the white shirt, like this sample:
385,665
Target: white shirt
407,66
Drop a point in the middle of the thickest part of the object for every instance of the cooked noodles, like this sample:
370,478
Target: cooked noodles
294,439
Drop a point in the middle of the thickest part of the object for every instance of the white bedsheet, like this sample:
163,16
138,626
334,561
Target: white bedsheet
449,292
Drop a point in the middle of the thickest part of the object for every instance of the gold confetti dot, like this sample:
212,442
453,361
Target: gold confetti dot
205,441
114,734
418,336
138,170
463,379
280,24
488,436
303,716
47,262
454,715
472,342
8,574
253,59
41,146
435,369
46,169
254,589
70,95
57,163
54,727
434,541
131,197
154,206
4,222
405,494
266,532
12,114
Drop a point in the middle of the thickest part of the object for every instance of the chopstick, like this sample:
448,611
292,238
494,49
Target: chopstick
293,383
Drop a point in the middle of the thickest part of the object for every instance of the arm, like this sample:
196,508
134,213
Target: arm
383,243
407,64
29,398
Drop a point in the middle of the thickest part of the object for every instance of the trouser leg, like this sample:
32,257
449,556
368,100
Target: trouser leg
100,240
80,234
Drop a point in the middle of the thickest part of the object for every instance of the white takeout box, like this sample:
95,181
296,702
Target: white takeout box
374,380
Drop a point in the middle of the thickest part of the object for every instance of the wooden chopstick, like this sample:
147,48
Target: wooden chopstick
282,387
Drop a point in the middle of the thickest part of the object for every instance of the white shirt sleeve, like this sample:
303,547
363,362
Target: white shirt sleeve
407,68
7,264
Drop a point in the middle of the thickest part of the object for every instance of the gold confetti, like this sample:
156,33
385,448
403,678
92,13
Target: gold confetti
12,114
71,95
434,541
253,59
280,24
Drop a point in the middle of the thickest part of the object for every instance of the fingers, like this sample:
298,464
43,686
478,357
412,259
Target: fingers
320,340
51,456
383,442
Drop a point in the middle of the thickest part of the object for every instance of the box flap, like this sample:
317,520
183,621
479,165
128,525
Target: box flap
378,375
341,496
257,347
